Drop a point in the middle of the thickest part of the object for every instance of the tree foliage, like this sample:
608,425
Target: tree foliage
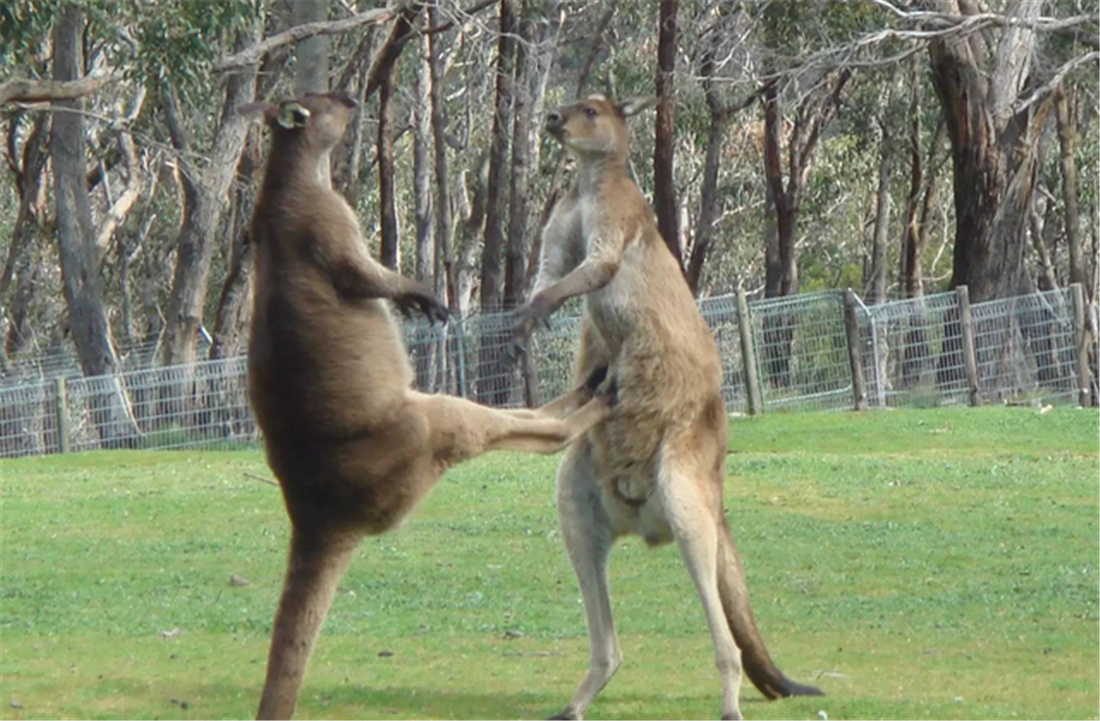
856,77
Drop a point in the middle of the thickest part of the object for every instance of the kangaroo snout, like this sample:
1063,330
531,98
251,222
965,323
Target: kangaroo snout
555,123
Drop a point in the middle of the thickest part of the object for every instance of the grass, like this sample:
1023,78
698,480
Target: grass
914,564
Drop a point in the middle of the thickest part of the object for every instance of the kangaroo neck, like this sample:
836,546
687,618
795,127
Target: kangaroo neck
296,166
594,172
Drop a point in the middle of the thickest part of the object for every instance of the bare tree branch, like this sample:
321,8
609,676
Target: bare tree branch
252,55
23,90
596,45
949,23
924,26
120,207
1013,60
466,13
387,55
1052,84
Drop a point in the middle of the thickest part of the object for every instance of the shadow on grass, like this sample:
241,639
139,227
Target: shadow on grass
415,702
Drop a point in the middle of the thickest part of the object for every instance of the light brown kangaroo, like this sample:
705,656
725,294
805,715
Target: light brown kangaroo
353,447
655,467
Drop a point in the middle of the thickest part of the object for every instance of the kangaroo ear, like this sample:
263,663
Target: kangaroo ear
293,115
256,111
633,106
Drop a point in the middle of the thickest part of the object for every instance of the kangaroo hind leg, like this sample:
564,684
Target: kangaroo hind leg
317,562
692,513
461,429
586,529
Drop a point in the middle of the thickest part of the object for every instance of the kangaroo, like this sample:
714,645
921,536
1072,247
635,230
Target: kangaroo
655,466
353,447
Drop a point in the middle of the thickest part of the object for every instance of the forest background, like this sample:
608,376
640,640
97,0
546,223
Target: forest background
898,147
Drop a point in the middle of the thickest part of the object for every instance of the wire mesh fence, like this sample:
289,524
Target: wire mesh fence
919,355
62,362
1026,348
176,406
721,315
802,352
808,352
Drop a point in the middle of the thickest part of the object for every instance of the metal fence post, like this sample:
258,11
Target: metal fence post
851,330
748,353
1083,375
970,360
460,344
879,353
61,395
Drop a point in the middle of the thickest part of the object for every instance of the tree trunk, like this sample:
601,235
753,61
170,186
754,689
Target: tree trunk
390,251
772,272
993,150
1039,228
814,114
922,183
21,335
444,217
206,192
876,287
491,270
558,177
664,181
783,272
422,167
708,195
547,34
776,335
494,374
311,66
515,267
424,350
234,303
348,175
24,257
311,55
914,280
471,202
1067,132
80,276
28,182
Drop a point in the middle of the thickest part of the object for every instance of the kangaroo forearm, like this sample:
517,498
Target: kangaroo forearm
588,276
361,280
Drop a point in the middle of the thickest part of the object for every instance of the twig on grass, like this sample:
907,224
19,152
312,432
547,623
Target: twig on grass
261,479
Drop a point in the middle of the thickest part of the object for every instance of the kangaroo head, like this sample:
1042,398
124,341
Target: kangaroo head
315,120
595,126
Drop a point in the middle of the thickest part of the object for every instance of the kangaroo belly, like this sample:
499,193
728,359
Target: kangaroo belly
646,430
369,482
325,371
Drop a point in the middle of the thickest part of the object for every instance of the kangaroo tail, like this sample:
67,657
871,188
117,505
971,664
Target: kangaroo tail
755,659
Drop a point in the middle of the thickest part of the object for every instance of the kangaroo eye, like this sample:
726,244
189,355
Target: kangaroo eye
590,112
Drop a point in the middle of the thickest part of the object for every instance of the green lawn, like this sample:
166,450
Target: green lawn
914,564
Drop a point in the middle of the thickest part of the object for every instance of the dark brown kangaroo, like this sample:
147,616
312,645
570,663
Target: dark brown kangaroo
353,447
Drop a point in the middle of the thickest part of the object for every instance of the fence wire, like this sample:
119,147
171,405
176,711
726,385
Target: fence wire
720,314
919,355
910,354
802,352
1026,348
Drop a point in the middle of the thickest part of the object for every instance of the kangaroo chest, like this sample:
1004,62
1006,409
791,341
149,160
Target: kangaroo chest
615,306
